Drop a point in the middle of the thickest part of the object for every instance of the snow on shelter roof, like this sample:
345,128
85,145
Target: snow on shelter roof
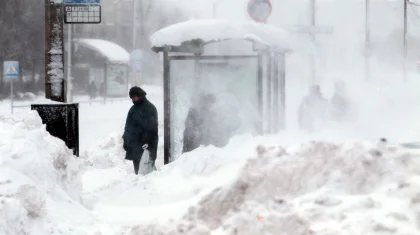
210,30
113,52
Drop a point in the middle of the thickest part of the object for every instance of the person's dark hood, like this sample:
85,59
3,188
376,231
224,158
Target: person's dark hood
137,91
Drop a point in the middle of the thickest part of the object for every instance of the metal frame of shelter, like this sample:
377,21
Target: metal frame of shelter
268,59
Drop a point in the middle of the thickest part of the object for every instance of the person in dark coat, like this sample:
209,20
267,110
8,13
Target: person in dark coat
341,107
102,89
92,90
141,129
313,110
199,123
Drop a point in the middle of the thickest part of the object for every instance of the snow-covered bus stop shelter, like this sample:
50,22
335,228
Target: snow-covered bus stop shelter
242,64
103,62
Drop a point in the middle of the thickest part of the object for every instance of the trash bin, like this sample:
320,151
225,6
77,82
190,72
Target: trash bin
62,121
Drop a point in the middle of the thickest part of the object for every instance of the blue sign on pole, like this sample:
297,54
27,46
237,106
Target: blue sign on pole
136,59
11,69
137,66
82,1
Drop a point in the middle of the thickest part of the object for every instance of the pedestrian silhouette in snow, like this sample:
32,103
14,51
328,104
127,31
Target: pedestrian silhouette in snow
313,110
141,130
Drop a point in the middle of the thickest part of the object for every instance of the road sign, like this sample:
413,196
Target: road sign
136,55
259,10
82,14
136,61
82,11
11,69
137,66
82,2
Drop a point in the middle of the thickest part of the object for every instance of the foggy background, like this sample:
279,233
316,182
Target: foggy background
339,55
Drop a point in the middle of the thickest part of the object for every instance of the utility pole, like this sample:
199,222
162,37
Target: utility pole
134,24
312,30
405,40
215,6
367,41
313,23
55,87
214,10
69,63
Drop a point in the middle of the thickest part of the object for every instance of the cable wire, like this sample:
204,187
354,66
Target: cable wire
390,6
414,11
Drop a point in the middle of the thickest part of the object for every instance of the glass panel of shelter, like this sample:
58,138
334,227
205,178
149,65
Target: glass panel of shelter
281,62
234,82
231,82
273,92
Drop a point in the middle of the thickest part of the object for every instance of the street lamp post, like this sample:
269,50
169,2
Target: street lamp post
134,24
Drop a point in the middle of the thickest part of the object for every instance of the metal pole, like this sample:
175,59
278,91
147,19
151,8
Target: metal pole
277,90
367,41
214,10
269,94
134,24
405,40
69,52
11,95
167,107
283,91
260,126
139,77
313,23
215,7
133,72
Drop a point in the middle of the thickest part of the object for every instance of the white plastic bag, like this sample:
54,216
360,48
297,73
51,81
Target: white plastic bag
146,166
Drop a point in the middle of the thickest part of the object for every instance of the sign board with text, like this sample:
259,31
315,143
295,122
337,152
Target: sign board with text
82,11
82,14
88,2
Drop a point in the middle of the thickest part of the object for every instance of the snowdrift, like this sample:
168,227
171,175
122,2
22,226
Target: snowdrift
39,179
264,185
313,188
128,200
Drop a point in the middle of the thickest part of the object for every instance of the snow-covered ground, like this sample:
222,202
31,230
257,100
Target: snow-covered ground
339,181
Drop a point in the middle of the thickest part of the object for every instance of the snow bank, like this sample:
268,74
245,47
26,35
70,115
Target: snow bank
252,186
107,153
125,199
217,30
313,188
39,179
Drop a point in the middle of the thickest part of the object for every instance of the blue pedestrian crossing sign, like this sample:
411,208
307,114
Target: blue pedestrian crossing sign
11,69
